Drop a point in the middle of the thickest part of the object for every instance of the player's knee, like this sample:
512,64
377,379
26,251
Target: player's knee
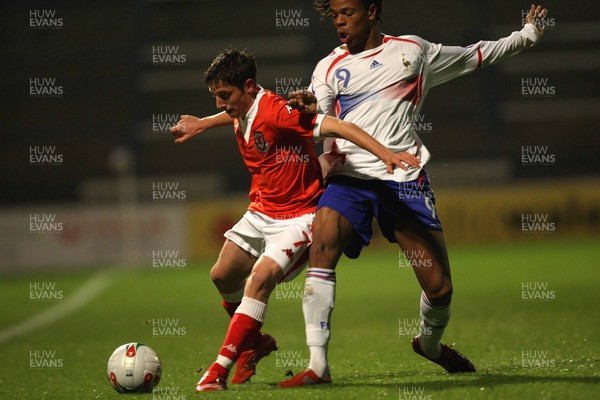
329,235
440,294
318,248
218,277
264,279
324,254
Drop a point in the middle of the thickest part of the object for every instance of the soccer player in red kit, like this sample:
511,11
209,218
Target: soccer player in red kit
269,244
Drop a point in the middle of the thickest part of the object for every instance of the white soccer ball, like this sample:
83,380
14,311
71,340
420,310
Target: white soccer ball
134,368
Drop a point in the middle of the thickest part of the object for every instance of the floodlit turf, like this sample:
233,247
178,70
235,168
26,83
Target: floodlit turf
544,348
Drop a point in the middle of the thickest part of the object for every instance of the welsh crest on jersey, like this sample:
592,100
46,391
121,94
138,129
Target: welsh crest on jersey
259,142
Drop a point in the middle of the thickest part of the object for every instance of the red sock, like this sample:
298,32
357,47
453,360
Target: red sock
231,307
221,370
242,330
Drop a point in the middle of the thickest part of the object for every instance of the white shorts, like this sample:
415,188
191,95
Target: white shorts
284,241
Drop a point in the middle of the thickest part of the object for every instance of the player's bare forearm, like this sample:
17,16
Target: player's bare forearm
333,127
189,126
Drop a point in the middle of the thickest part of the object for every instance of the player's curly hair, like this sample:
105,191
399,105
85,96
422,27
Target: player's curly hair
322,7
231,67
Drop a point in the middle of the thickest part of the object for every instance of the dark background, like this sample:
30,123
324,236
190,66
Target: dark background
102,57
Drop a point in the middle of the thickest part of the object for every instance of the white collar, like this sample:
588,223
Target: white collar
246,123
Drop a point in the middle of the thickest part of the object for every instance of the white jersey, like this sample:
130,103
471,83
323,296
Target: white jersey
382,90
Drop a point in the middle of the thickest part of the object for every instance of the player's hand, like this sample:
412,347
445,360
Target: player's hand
304,101
403,160
187,127
535,16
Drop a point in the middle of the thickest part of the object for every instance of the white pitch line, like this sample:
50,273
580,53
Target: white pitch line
86,292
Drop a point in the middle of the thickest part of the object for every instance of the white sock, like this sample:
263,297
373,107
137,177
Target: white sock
319,299
253,308
225,362
433,323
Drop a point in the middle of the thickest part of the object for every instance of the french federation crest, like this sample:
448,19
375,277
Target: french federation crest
259,141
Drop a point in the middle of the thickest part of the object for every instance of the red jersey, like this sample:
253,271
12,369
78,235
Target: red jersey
277,143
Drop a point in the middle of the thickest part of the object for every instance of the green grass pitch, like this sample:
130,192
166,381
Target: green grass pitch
526,314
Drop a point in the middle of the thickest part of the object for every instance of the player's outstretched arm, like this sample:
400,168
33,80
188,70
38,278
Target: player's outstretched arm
189,126
449,62
333,127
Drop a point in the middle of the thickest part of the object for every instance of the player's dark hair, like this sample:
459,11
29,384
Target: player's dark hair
322,7
231,67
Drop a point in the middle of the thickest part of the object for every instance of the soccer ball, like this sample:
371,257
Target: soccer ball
134,368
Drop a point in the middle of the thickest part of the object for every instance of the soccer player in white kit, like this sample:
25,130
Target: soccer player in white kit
379,83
